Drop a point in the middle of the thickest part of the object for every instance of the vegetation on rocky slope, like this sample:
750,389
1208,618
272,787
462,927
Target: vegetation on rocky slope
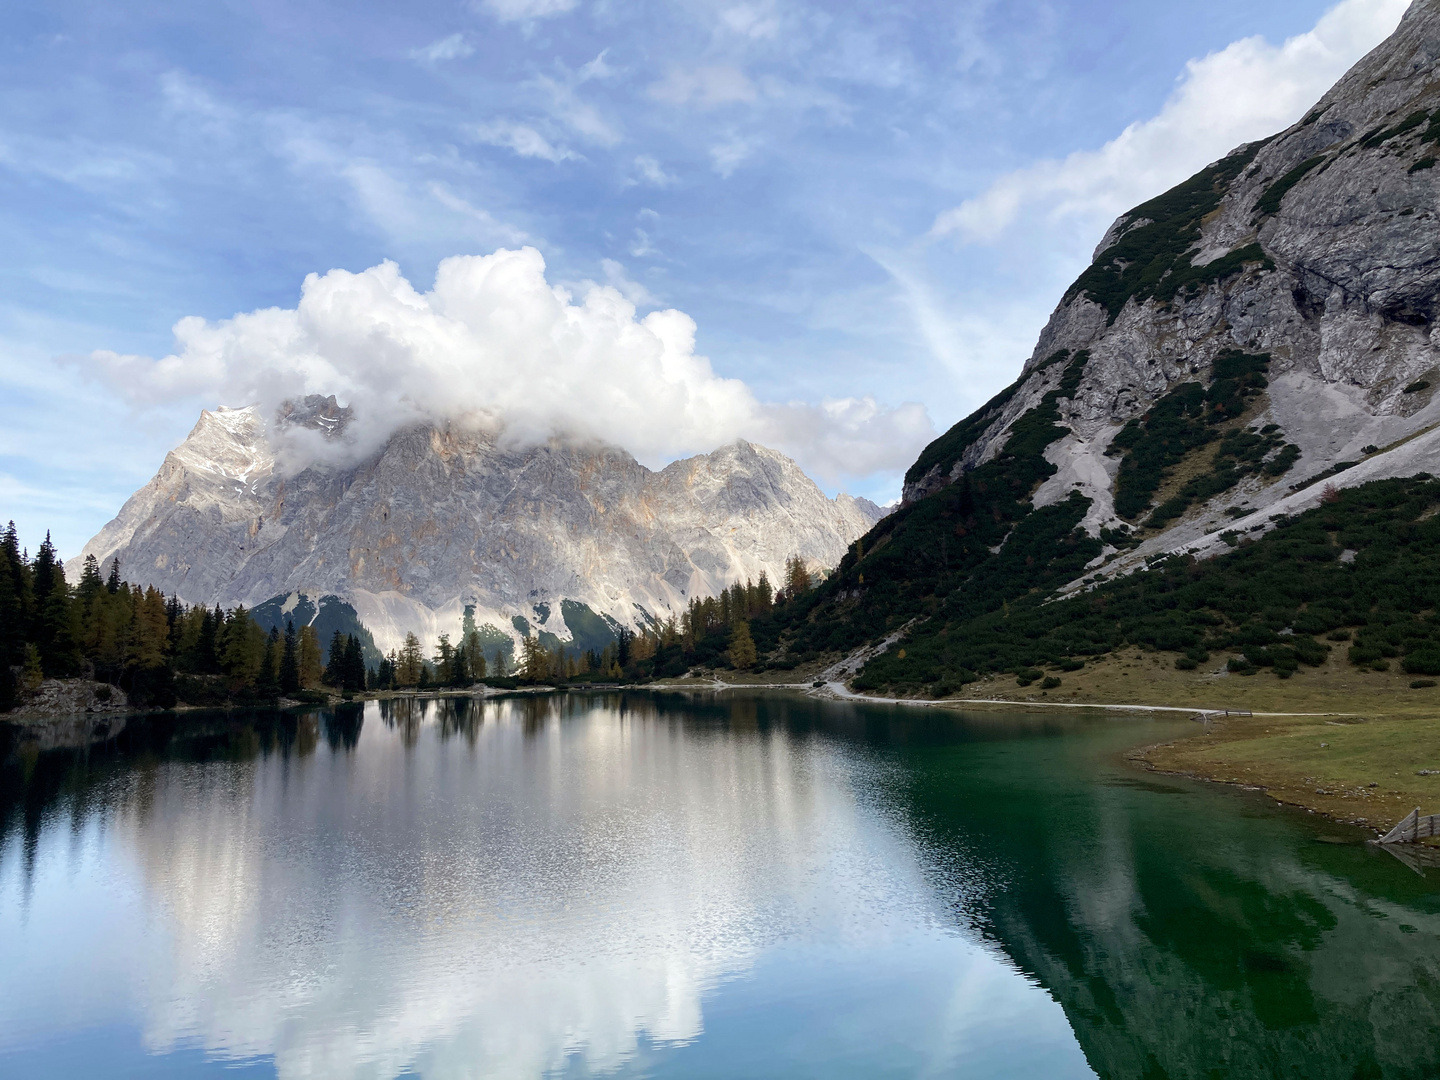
1152,256
1362,570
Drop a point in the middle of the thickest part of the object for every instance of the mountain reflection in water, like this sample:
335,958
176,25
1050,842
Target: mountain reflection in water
655,885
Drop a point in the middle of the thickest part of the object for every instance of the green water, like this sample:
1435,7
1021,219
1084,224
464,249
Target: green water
667,886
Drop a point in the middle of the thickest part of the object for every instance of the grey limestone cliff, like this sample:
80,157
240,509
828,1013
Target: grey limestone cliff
445,518
1318,248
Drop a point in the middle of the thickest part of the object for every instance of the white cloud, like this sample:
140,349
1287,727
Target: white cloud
751,20
729,155
632,290
494,343
651,172
454,47
579,116
523,139
1246,91
526,10
641,245
483,218
595,69
705,86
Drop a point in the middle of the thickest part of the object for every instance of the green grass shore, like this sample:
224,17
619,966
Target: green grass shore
1358,745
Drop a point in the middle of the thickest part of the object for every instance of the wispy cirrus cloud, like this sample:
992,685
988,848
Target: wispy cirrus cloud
454,47
523,139
527,10
707,86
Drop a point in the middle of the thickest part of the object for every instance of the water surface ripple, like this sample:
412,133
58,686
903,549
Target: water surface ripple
686,886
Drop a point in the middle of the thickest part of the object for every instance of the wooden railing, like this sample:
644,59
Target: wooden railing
1413,827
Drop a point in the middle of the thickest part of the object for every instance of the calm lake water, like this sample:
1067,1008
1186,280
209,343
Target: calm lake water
666,886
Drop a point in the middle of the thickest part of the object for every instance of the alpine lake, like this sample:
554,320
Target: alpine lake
687,885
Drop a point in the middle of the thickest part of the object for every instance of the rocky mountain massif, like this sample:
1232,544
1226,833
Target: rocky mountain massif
1243,348
442,520
1317,254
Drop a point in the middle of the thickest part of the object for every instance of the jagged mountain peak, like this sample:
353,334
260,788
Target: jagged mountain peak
447,518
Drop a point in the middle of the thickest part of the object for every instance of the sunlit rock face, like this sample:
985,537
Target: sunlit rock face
441,519
1335,275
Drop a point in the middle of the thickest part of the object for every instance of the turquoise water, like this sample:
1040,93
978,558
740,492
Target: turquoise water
666,886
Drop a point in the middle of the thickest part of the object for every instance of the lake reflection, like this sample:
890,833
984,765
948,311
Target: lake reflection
643,885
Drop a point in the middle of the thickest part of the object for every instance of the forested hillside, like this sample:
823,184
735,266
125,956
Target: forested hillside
158,650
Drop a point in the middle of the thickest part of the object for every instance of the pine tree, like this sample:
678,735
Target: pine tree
475,652
797,578
742,646
151,635
290,660
12,600
353,672
334,660
113,582
312,670
267,684
534,659
444,660
242,652
57,627
410,664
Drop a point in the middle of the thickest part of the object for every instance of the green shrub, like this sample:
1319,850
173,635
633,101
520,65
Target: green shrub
1050,682
1026,676
1270,202
1416,387
1364,655
1424,661
1154,260
1421,684
1186,663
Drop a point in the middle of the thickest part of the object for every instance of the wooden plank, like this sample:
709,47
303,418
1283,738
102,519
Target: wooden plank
1404,832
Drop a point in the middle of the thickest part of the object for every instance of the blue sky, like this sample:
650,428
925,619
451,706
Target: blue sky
850,201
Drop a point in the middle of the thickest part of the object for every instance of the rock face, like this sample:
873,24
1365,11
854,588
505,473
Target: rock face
1319,247
442,519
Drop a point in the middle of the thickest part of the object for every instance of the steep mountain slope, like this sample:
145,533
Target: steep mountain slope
441,520
1241,341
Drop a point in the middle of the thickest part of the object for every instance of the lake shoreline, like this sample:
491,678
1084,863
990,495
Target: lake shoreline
1363,766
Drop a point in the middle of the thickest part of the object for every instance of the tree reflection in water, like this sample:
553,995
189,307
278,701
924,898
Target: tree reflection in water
1185,931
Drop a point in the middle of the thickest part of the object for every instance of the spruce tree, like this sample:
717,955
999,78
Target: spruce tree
12,606
335,661
312,670
290,660
54,629
354,672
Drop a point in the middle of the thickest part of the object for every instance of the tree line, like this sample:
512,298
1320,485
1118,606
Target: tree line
157,649
161,651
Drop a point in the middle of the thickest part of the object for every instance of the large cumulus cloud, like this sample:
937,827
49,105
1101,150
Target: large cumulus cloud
495,343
